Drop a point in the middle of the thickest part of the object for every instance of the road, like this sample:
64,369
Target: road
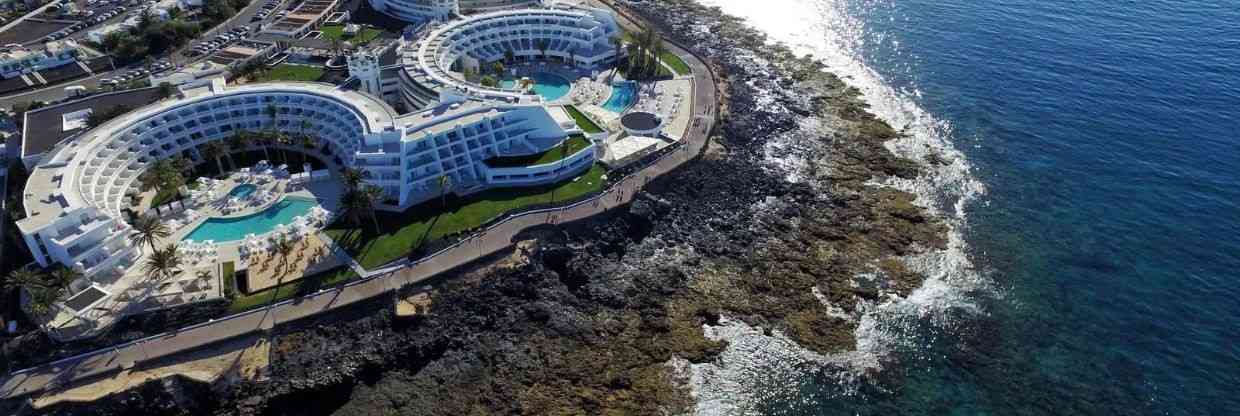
57,92
495,239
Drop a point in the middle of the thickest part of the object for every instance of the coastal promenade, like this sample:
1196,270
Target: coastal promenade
494,239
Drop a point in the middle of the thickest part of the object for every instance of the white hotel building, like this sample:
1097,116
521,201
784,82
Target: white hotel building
442,10
75,195
432,65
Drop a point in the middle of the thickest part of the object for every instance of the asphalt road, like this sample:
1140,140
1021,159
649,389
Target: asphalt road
492,240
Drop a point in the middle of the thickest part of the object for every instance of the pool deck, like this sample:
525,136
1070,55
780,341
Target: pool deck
136,292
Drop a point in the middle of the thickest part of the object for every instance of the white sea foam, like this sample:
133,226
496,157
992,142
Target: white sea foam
758,366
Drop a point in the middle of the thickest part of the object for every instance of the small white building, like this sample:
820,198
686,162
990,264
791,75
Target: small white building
24,61
194,75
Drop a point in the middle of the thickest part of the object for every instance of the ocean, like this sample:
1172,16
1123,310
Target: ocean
1094,201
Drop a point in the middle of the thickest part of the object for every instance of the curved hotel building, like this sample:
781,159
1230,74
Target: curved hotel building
78,194
441,10
75,195
431,66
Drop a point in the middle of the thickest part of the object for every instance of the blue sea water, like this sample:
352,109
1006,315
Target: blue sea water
1107,135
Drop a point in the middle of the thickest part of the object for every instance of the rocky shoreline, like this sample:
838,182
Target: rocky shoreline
590,321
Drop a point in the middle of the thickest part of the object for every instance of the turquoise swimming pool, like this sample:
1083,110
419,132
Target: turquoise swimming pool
549,86
233,229
242,191
623,95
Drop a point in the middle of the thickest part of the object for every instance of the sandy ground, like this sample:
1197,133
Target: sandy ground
310,256
413,305
242,358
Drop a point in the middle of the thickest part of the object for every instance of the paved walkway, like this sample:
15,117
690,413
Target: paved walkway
492,240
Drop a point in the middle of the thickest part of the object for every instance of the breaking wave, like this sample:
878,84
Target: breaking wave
767,367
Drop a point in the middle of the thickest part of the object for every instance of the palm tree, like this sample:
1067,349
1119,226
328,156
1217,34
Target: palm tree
633,62
283,141
305,124
62,276
498,67
147,230
617,44
371,195
572,56
509,56
24,277
445,182
543,44
42,300
163,263
352,177
264,141
309,144
274,113
353,205
657,50
236,143
284,248
44,289
215,150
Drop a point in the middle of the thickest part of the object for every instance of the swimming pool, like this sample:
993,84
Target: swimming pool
550,86
623,94
233,229
242,191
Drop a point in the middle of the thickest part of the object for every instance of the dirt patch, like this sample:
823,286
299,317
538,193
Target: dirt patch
241,359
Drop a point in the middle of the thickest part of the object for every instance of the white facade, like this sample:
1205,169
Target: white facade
54,54
418,10
431,65
75,195
487,6
364,66
443,10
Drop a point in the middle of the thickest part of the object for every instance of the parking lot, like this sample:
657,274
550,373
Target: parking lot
208,46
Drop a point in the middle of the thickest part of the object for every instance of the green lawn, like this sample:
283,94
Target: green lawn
584,122
571,146
409,230
306,284
363,36
288,72
675,62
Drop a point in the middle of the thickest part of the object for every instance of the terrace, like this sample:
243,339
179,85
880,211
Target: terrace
570,146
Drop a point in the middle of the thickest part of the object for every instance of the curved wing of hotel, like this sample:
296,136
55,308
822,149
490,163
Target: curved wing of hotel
431,67
78,192
419,10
